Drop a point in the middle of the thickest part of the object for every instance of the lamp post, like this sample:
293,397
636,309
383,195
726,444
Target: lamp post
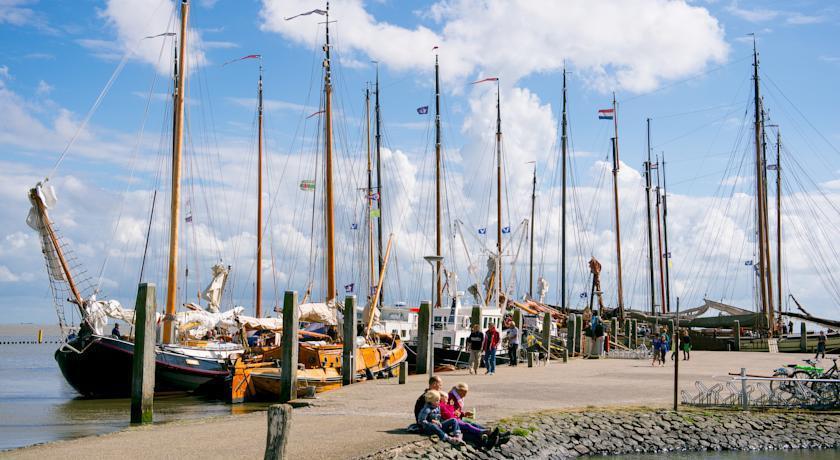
433,261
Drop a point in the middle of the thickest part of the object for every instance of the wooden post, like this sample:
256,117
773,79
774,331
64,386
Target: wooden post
143,365
423,347
736,334
803,337
531,359
289,347
570,333
475,317
614,329
627,334
403,372
579,335
566,355
279,421
634,332
348,354
546,336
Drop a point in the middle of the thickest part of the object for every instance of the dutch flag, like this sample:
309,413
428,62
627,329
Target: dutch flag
606,114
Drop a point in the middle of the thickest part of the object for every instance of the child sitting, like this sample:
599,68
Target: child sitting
430,420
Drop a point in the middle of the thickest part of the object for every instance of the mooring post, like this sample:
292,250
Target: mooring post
570,333
475,317
736,334
546,336
143,365
803,337
348,351
423,327
40,335
579,335
279,420
289,362
634,328
627,334
403,372
744,397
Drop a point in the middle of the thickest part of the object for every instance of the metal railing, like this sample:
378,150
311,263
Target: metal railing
642,352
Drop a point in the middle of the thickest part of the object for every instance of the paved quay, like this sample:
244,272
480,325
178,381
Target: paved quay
368,417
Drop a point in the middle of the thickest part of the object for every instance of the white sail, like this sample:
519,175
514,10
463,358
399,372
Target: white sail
317,312
46,193
213,292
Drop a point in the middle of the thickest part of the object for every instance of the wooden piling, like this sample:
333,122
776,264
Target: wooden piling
736,334
40,336
579,335
570,333
546,336
348,353
423,348
289,360
634,332
403,372
279,425
143,364
475,317
803,337
627,334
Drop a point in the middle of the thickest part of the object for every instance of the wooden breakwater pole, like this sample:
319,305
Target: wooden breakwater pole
279,422
546,336
424,348
736,334
289,344
348,353
143,365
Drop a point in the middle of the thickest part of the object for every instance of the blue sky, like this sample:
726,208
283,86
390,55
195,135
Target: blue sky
684,65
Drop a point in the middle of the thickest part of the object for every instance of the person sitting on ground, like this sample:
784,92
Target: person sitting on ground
431,422
455,398
115,332
474,433
476,341
435,384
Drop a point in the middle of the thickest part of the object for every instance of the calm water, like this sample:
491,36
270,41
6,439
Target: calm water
771,455
37,405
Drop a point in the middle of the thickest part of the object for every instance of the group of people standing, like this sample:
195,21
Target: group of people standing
661,344
443,415
483,346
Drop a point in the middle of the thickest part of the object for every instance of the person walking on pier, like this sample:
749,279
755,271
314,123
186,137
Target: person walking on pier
820,345
685,344
476,341
491,341
512,335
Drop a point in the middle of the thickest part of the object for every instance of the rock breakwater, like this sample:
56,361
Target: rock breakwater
564,434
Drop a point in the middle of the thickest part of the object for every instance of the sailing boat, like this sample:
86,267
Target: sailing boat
97,365
256,375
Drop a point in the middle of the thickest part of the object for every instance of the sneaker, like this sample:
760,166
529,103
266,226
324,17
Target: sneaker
504,438
493,438
456,440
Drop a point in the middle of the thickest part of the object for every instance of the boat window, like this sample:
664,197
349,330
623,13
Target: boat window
463,342
447,342
403,333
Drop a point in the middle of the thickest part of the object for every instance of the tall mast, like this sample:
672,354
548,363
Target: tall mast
768,272
175,205
779,219
499,186
762,264
258,303
531,260
369,197
617,219
438,191
659,239
379,182
648,186
328,176
665,236
564,154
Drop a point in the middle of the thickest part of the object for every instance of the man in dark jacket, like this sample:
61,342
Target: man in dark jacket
435,383
476,343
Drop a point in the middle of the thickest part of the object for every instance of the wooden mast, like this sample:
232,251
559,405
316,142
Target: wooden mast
564,158
766,224
438,191
258,303
531,259
499,190
617,219
667,256
779,220
379,187
372,279
762,264
175,205
659,239
329,214
648,186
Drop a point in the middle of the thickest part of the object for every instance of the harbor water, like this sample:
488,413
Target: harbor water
797,454
38,406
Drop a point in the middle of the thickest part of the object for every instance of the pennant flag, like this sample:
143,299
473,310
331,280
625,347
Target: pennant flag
654,166
250,56
583,295
435,47
505,229
374,213
772,167
423,110
316,11
373,291
354,226
606,114
349,287
482,231
189,219
165,34
748,263
667,255
316,113
373,196
484,80
307,185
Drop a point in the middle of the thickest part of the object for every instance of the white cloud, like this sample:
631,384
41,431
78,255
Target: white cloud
651,41
44,89
804,19
751,14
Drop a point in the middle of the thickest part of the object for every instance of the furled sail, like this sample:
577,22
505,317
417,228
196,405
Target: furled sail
46,193
317,313
213,292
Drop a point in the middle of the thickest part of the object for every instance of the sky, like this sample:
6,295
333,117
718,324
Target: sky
85,71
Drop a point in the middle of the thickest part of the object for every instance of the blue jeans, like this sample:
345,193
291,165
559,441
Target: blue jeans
447,426
490,360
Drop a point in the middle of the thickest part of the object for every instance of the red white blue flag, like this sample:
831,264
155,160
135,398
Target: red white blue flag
606,114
